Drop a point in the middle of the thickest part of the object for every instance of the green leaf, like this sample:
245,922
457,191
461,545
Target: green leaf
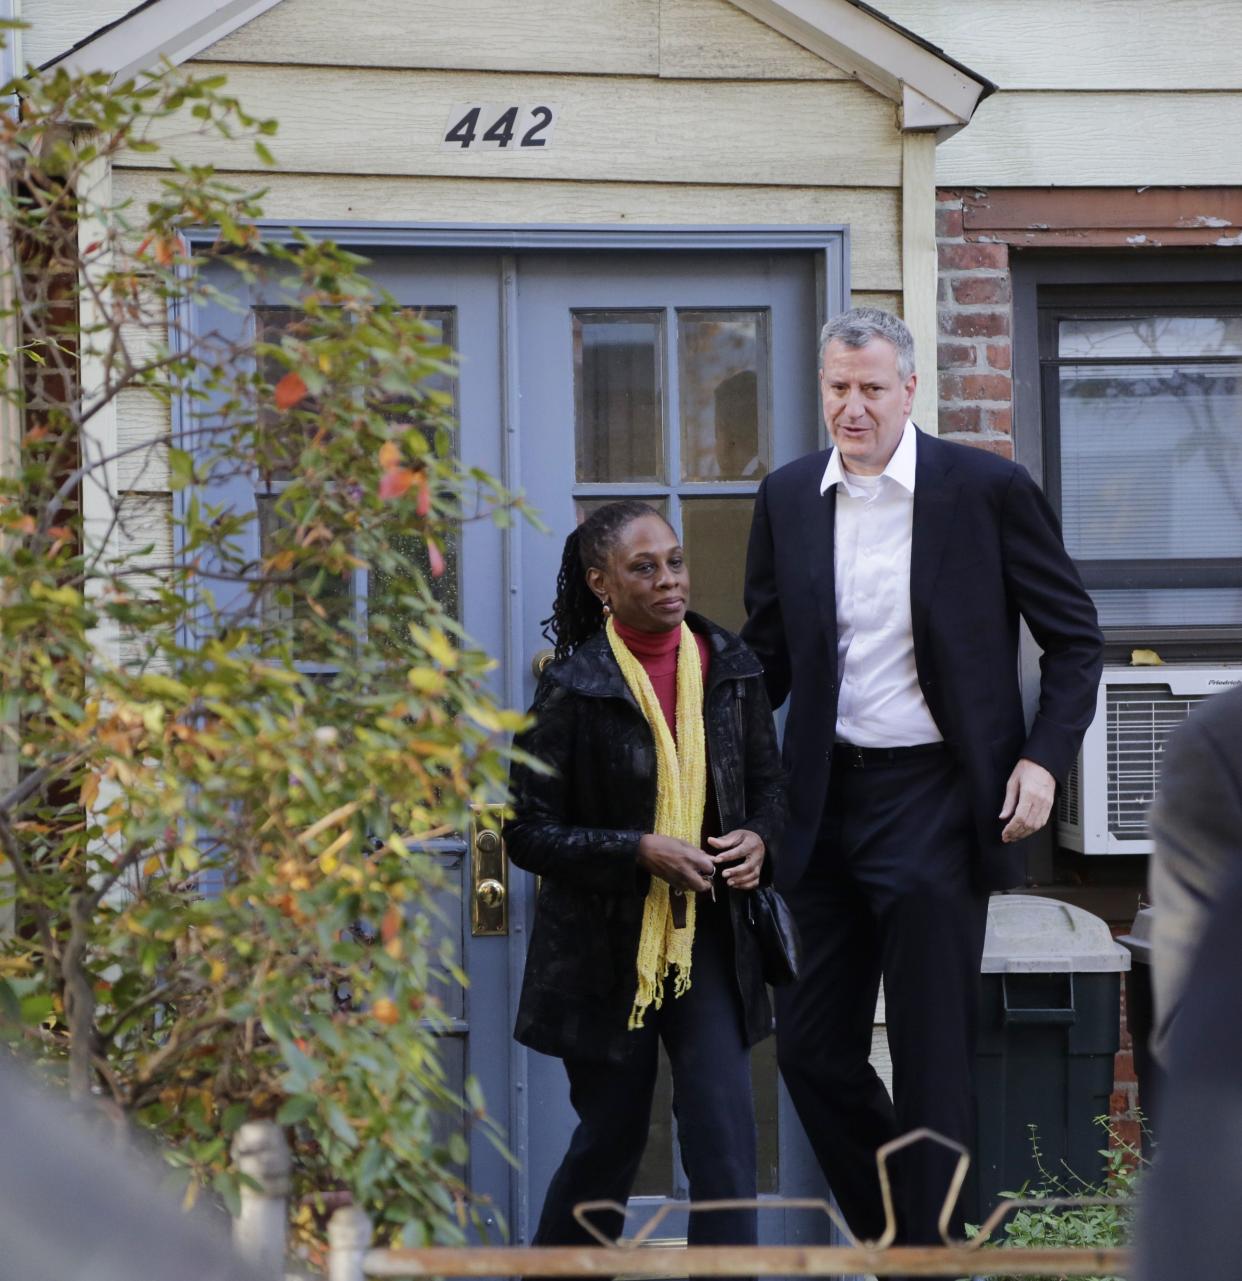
36,1008
10,1005
180,468
339,1125
301,1069
297,1108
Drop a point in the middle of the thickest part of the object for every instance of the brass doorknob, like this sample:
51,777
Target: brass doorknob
490,893
540,661
487,841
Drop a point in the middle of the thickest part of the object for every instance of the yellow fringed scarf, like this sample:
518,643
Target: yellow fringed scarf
681,791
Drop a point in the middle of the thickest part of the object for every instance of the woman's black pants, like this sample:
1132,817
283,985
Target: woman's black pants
702,1033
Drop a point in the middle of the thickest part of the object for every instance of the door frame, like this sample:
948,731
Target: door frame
830,245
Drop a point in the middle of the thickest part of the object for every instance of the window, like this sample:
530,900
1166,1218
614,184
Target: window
347,600
673,405
1140,402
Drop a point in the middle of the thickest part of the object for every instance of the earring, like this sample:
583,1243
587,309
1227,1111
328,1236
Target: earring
605,606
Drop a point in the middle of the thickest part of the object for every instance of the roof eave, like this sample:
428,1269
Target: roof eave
935,92
156,30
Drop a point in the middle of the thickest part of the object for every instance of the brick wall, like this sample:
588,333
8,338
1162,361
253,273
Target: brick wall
1124,1105
974,357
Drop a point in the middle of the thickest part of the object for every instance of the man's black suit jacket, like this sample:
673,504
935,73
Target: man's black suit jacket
986,549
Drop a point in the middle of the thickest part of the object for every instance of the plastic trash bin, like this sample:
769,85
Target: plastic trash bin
1140,1019
1049,1026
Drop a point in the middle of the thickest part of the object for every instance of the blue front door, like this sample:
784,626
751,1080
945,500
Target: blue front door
679,377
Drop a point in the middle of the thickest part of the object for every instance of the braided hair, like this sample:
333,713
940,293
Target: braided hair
577,613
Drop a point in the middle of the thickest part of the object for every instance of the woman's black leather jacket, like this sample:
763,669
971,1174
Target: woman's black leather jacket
578,828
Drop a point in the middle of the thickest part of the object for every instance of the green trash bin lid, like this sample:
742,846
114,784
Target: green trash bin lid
1028,934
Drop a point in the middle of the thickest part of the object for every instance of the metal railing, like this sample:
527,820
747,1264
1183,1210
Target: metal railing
259,1231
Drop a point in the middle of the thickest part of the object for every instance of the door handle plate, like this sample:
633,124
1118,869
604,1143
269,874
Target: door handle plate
489,874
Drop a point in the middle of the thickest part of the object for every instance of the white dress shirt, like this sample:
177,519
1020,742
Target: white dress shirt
879,701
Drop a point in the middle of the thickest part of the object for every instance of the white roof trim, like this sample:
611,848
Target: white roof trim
933,92
172,29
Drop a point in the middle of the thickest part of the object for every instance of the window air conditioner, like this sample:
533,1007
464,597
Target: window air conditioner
1102,806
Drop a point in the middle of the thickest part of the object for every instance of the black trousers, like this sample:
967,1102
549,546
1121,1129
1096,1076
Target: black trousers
888,894
703,1034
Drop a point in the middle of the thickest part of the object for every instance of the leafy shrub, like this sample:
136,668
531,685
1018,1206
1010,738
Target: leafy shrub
1106,1225
218,856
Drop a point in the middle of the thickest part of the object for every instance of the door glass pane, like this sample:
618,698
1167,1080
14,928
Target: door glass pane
311,598
583,507
384,590
715,533
1151,460
441,326
279,449
618,395
723,368
1110,338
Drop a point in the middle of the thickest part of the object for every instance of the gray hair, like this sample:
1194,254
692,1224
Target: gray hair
858,327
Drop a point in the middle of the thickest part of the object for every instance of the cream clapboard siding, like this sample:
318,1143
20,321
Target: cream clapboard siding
57,25
1098,140
703,38
1093,92
673,38
142,421
636,129
1086,44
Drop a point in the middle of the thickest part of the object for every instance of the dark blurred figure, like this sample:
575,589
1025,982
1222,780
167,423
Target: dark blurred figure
73,1205
1196,822
1190,1201
1188,1216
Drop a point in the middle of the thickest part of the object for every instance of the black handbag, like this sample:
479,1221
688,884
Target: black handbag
777,934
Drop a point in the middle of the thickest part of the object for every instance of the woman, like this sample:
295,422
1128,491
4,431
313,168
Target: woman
660,811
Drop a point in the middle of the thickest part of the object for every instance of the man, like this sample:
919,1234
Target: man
885,579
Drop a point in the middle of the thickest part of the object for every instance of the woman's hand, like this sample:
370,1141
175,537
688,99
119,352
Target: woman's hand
683,866
741,852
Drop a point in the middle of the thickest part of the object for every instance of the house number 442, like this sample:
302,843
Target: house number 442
485,126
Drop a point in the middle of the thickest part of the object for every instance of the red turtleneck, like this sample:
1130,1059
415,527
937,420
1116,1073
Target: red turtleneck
657,652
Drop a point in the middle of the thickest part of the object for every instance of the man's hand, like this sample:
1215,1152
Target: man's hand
1028,800
741,854
683,866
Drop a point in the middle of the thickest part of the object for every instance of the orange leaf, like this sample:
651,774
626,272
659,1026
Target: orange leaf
424,495
390,927
386,1011
389,455
164,251
290,390
437,560
395,481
